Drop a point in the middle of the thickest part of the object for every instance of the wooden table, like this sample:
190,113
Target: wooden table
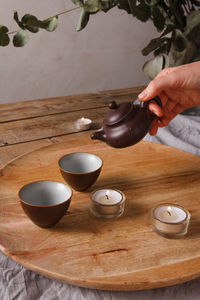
28,126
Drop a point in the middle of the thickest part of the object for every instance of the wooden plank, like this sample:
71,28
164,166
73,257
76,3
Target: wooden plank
11,152
50,106
47,126
118,254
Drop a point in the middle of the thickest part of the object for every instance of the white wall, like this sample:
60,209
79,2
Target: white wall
105,55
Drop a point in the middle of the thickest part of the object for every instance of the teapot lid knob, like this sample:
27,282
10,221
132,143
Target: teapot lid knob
113,105
117,112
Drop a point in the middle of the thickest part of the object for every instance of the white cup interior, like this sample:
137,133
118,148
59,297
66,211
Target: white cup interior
80,162
45,193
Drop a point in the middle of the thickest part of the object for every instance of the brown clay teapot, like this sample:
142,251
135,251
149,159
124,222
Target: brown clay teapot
126,124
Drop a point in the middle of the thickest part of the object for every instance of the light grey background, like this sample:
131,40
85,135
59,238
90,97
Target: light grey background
105,55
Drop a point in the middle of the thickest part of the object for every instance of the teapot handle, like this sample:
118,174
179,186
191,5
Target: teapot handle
156,99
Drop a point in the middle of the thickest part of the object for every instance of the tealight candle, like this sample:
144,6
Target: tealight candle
83,124
170,220
107,203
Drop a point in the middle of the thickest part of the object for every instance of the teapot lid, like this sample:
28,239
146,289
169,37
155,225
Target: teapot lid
117,112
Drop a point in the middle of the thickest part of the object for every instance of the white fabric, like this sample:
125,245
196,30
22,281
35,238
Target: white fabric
18,283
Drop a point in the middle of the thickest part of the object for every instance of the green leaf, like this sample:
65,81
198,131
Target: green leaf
78,2
124,5
187,54
158,18
132,5
3,29
192,31
177,13
154,2
92,6
50,24
83,20
16,18
143,12
164,48
154,44
168,29
179,41
20,38
4,39
107,5
194,35
192,20
32,29
153,66
29,19
30,22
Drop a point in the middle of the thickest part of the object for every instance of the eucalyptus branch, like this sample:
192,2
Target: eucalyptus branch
54,16
168,16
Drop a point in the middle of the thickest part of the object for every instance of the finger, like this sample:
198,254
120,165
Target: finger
177,110
156,109
169,106
154,127
153,131
164,98
160,83
164,121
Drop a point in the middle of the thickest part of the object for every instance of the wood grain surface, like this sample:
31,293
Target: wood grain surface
119,254
59,105
36,120
29,125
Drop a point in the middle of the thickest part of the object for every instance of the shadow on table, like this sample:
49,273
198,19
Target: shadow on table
194,229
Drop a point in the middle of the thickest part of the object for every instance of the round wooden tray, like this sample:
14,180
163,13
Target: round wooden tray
118,254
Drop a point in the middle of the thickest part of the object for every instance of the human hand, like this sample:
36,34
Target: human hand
178,89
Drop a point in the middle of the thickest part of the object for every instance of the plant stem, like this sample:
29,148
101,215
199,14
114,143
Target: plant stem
166,7
166,3
186,8
188,4
12,32
64,12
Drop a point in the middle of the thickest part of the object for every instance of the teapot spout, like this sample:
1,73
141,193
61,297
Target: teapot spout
99,135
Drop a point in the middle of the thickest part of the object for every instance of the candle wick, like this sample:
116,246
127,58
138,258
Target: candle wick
107,197
169,212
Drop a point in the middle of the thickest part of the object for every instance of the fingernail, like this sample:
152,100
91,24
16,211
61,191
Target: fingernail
154,111
143,94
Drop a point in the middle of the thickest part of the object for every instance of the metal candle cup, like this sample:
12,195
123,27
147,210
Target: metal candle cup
170,220
107,203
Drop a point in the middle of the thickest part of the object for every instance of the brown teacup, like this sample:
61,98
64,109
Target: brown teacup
45,202
80,169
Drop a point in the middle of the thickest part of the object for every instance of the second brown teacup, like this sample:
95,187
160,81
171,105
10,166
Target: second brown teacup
80,169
